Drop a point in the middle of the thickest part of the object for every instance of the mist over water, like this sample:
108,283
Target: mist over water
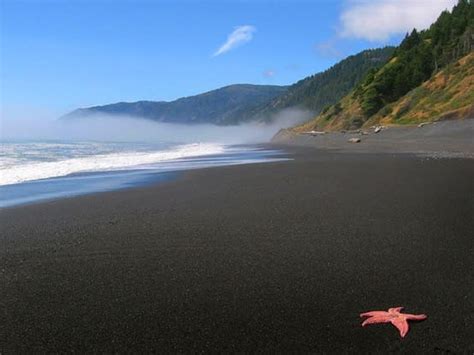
41,159
133,129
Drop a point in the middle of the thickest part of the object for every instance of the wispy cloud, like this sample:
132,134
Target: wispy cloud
378,20
240,35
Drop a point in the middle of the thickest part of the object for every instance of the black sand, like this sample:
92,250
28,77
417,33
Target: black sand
439,139
267,257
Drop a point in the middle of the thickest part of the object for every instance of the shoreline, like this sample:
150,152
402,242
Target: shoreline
435,140
273,257
441,139
90,182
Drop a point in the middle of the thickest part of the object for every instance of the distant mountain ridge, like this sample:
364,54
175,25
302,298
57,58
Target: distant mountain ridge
384,85
239,103
224,106
320,90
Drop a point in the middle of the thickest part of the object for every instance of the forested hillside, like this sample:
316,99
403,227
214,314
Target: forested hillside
420,56
326,88
227,105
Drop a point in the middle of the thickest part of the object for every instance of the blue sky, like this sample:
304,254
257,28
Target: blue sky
59,55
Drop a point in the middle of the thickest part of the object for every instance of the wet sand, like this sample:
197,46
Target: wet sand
266,257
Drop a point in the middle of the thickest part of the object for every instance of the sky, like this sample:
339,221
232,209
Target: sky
58,55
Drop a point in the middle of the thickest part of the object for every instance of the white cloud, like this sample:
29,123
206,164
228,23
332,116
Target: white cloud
378,20
241,35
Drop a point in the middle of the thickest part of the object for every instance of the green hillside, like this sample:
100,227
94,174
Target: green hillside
227,105
448,94
317,91
421,57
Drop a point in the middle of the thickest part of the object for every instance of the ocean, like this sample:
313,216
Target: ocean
32,171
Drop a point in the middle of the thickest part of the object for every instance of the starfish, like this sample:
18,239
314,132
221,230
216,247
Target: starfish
399,320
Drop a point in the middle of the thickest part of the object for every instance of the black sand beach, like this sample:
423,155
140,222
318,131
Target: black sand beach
438,139
267,257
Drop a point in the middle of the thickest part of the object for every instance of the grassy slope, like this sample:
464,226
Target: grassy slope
448,94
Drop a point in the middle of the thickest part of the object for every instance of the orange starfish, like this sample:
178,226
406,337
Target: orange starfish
399,320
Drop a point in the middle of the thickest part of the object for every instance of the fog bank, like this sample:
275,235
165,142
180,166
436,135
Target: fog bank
122,129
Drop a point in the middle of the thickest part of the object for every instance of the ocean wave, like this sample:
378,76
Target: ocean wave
13,174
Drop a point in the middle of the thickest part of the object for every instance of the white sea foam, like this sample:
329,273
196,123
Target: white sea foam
11,173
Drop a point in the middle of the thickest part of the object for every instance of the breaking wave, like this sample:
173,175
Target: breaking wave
27,162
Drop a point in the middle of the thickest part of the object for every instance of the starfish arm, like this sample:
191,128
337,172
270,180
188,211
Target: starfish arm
395,309
416,316
375,320
374,314
402,326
